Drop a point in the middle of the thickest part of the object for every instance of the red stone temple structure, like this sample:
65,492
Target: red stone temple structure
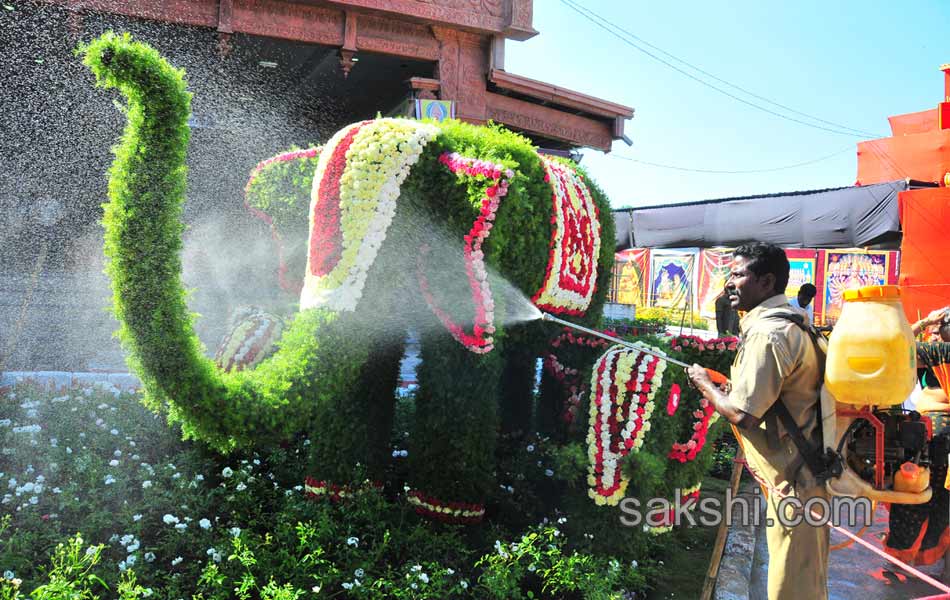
461,43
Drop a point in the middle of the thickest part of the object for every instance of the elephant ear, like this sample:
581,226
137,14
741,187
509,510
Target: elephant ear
494,179
278,193
571,275
352,205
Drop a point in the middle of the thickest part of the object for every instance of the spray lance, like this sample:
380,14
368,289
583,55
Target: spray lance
716,377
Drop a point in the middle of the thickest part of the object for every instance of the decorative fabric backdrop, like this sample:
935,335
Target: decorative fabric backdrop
714,266
671,277
631,277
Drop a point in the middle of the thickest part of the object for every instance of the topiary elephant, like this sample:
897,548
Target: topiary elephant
458,231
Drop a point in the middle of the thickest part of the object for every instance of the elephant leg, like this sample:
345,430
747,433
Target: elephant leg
517,393
550,405
354,420
452,448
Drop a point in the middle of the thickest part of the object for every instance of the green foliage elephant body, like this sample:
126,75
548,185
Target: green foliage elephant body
473,215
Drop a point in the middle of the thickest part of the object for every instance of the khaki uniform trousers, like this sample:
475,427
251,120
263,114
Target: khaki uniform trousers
798,556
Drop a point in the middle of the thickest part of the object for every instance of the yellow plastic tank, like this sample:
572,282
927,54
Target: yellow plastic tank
872,358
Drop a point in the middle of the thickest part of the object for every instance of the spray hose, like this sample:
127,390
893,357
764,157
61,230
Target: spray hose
716,377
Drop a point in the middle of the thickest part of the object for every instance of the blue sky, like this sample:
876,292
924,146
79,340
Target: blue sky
850,63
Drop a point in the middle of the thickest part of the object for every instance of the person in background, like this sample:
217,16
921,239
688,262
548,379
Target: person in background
803,301
727,319
920,533
777,363
935,317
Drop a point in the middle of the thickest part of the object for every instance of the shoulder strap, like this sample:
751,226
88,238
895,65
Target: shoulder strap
817,461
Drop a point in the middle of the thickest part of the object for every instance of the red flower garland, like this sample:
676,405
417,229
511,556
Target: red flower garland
579,235
326,237
447,512
317,490
480,340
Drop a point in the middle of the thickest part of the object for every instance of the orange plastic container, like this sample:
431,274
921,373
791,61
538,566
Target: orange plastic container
872,359
911,478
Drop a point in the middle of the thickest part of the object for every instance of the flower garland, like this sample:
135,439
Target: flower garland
624,384
705,415
568,377
317,490
688,498
355,190
571,275
288,285
682,342
480,340
447,512
250,341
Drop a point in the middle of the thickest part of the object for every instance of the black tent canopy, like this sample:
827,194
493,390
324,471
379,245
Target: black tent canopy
846,217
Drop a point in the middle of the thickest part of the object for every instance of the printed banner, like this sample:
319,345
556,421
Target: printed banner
714,267
802,269
671,277
849,269
631,277
438,110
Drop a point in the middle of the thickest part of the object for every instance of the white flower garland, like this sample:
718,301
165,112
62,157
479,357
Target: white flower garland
623,386
378,158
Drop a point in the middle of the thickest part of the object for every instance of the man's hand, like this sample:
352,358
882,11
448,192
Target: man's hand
699,377
717,396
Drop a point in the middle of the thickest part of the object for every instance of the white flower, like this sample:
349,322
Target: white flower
359,573
353,541
227,472
463,584
130,559
235,531
530,447
114,431
181,526
109,480
117,453
34,500
177,560
424,577
549,472
149,556
204,524
136,518
132,548
146,484
169,519
199,477
126,539
113,463
240,487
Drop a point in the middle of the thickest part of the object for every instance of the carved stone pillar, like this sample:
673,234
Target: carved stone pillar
348,51
462,70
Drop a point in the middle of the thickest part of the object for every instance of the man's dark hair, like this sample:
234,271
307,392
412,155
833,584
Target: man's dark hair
808,289
766,258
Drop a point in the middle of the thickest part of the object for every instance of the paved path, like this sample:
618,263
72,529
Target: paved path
855,572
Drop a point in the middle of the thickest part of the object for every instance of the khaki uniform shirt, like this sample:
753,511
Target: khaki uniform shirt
776,360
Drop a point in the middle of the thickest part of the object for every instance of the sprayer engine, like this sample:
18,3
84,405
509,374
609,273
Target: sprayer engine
877,447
